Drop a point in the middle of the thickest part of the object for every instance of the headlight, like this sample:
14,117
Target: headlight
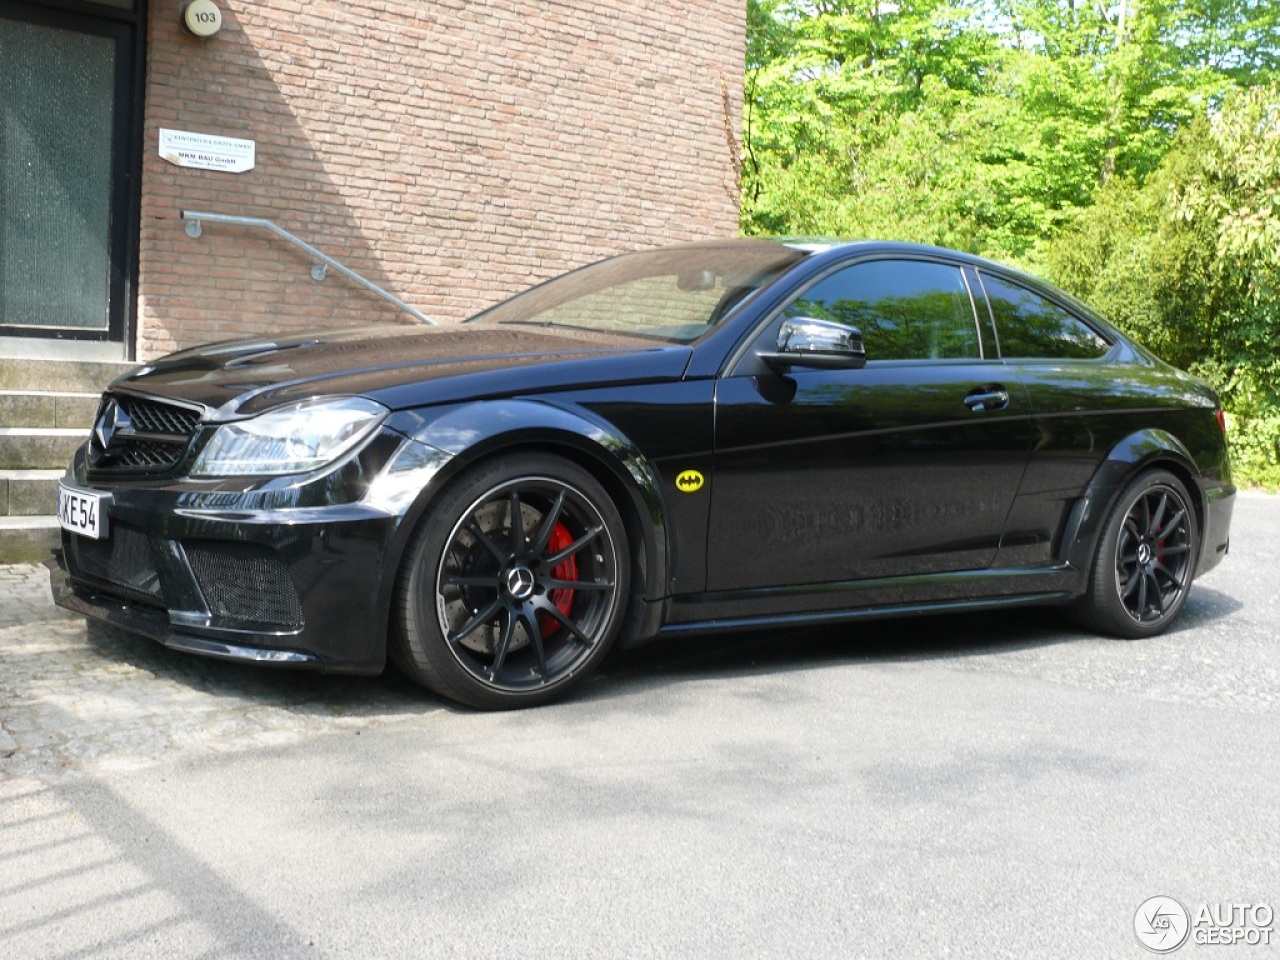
296,439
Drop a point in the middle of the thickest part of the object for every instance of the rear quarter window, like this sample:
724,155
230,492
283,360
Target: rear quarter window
1031,327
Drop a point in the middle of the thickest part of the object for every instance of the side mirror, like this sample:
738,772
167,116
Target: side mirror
809,342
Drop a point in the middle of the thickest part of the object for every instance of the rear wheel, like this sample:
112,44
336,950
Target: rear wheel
1145,560
514,584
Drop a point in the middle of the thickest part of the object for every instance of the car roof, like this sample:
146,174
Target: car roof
830,249
843,245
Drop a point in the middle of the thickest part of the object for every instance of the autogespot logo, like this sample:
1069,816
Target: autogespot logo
1161,924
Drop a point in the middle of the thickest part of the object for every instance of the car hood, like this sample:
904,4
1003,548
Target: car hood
402,367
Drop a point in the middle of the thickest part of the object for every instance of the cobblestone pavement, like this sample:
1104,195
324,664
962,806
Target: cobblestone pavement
74,695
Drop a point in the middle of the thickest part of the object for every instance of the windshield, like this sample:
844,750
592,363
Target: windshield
676,294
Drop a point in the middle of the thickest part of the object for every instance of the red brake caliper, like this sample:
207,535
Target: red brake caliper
566,569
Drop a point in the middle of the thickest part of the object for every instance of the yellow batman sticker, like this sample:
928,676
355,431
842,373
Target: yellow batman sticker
689,481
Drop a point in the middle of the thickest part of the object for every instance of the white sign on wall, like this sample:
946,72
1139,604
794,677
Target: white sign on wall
202,17
204,151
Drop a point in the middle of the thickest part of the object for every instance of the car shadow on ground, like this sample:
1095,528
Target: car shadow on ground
955,636
944,636
952,636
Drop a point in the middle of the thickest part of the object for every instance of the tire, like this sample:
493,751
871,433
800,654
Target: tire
1145,560
497,615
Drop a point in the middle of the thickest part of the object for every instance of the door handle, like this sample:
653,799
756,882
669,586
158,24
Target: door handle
991,397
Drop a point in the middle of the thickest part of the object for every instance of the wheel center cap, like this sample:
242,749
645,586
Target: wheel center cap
519,582
1144,553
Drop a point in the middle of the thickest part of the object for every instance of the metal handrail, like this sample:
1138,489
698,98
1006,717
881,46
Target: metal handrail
194,218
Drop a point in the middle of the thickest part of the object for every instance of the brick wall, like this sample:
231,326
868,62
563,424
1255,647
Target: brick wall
452,151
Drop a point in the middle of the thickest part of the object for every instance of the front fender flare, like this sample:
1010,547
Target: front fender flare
469,432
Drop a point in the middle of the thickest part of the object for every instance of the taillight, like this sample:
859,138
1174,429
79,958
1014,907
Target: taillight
1222,421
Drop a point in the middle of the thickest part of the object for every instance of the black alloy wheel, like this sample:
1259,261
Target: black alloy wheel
1146,559
515,584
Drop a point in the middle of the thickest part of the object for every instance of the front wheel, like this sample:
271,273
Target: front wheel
514,584
1145,559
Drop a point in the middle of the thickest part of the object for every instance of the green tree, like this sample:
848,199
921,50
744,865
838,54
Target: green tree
827,86
1190,263
982,124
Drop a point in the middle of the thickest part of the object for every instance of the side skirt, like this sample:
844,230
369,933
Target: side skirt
871,599
864,613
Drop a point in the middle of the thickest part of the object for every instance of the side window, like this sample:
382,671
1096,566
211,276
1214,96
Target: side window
906,309
1030,326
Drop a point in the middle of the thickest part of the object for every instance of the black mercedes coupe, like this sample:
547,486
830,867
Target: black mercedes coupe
712,437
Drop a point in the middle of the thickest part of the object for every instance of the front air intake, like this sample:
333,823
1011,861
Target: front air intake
244,581
125,560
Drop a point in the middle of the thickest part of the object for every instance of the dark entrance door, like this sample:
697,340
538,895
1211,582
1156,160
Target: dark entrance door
68,169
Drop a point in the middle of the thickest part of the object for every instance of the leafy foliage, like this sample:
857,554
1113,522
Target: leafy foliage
1190,262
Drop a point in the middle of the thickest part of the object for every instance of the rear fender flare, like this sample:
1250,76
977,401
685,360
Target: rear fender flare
1139,451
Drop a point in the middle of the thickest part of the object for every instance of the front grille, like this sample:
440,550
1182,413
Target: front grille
142,435
242,581
150,416
124,560
156,454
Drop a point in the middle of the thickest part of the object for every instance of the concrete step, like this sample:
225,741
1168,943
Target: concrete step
28,493
47,408
72,376
27,539
36,448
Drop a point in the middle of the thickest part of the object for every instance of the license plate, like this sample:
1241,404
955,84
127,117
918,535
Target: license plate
80,511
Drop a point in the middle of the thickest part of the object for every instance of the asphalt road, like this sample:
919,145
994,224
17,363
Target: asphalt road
981,786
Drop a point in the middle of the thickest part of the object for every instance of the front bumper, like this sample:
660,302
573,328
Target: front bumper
296,576
156,624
